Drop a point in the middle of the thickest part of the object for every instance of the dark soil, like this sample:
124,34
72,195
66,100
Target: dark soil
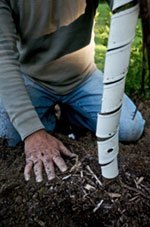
76,198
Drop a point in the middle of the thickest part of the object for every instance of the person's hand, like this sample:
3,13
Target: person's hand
44,150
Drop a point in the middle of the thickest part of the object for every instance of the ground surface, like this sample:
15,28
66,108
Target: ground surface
76,198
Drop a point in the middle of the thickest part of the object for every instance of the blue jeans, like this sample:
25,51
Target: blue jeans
84,102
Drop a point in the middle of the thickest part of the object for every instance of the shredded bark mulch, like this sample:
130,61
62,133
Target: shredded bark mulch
79,197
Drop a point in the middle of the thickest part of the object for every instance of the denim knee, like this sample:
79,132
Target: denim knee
132,129
8,132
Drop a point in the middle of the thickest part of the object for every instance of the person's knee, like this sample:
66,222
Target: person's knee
11,137
12,142
7,131
132,129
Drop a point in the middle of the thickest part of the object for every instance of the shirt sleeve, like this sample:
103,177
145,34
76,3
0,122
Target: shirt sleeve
12,89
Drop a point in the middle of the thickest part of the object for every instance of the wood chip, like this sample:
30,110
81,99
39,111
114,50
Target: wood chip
66,177
134,198
93,174
81,173
89,187
114,195
140,180
98,206
76,165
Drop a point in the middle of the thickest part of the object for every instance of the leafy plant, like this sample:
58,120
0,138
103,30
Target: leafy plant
133,80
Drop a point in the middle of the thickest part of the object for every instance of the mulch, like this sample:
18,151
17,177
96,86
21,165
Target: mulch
80,196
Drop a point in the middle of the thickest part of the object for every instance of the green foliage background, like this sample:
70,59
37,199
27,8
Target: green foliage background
134,76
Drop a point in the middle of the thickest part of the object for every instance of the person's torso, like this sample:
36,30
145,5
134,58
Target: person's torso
55,40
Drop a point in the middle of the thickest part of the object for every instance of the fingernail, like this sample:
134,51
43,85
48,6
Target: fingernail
64,169
74,155
39,179
27,178
51,177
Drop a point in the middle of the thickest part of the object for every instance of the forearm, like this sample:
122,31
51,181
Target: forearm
12,89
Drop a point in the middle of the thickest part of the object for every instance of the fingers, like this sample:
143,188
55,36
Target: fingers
60,163
48,166
38,171
27,170
49,169
66,152
45,153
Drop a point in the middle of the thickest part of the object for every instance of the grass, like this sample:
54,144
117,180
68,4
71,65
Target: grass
133,80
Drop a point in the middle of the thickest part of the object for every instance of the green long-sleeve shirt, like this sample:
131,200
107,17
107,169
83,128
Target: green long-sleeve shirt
51,41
